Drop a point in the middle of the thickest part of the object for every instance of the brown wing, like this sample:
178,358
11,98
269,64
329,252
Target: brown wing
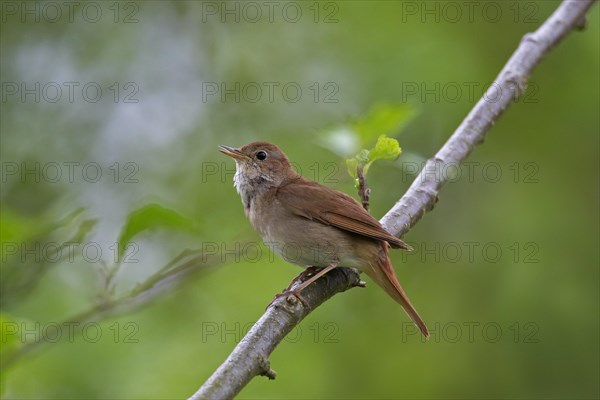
320,203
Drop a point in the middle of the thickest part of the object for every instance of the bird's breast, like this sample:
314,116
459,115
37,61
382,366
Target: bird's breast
302,241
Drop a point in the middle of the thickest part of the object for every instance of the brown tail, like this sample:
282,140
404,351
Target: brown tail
383,274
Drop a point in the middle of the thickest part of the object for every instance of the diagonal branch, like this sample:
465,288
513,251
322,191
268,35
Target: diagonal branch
250,357
508,87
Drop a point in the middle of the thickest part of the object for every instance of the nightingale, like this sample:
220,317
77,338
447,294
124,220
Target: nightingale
311,225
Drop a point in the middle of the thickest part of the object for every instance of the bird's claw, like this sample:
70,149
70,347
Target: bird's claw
293,297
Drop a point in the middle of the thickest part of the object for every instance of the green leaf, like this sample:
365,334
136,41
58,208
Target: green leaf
382,119
352,164
149,217
386,148
361,158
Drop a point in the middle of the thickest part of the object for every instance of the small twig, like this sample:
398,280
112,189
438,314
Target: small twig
364,192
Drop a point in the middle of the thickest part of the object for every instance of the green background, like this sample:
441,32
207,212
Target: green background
522,323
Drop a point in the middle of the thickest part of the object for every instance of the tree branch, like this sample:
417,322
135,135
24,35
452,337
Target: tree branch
508,86
250,357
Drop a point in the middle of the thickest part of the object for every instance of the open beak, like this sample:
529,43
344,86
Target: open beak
232,152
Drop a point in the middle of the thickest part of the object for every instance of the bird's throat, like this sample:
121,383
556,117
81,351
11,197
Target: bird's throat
250,186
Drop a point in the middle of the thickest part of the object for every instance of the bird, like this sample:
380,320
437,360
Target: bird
312,225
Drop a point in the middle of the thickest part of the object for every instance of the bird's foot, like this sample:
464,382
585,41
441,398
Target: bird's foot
291,295
306,274
313,277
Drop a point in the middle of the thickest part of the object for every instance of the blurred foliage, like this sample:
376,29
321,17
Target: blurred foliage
505,270
148,217
382,119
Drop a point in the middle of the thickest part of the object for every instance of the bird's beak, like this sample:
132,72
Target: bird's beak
232,152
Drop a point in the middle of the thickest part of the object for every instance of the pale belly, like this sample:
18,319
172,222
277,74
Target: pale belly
308,243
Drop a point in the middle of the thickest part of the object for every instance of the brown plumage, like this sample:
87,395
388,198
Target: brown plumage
324,227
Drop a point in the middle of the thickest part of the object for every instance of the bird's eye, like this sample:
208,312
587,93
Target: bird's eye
261,155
